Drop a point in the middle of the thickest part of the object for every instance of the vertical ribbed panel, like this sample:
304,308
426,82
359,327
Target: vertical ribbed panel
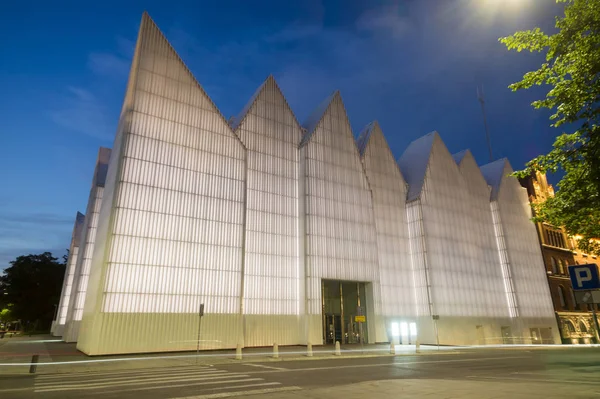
488,278
86,259
175,229
88,237
455,231
389,197
271,135
453,247
88,340
524,254
189,216
340,230
509,289
419,258
65,295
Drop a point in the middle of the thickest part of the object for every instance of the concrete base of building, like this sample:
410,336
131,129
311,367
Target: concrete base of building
487,331
121,333
57,330
71,331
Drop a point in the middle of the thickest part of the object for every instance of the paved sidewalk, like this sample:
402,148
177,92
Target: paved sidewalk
56,356
442,389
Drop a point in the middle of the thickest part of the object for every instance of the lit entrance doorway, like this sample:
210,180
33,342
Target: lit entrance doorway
341,302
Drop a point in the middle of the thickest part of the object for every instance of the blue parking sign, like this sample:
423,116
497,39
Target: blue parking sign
584,277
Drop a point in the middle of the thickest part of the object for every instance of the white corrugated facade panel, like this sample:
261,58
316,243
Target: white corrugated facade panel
58,325
88,340
88,237
175,233
250,222
271,135
457,253
488,277
341,241
533,299
389,202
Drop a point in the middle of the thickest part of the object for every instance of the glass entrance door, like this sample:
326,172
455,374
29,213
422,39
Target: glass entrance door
333,327
342,301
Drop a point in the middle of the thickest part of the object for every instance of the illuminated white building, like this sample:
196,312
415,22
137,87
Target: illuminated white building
291,233
86,248
58,324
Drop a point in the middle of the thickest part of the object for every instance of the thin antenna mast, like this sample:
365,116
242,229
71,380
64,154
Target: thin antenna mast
487,130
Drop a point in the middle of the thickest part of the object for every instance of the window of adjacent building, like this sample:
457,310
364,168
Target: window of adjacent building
575,304
562,266
561,296
555,238
553,264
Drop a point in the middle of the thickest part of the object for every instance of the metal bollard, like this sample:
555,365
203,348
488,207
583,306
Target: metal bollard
418,347
337,348
309,350
33,366
392,348
238,352
275,350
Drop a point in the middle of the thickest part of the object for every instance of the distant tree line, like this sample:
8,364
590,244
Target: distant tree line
30,290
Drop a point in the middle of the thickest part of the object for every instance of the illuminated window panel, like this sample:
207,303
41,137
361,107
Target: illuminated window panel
272,284
389,196
519,246
87,241
178,213
65,296
249,216
341,240
492,294
511,298
171,227
452,236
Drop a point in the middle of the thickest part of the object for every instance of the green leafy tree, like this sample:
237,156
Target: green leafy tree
571,72
6,315
33,284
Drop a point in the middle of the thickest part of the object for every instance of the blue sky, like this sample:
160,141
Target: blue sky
412,65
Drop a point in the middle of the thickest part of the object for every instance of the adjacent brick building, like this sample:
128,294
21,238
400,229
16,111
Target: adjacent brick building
576,322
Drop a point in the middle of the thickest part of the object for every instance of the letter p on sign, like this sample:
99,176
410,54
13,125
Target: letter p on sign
584,277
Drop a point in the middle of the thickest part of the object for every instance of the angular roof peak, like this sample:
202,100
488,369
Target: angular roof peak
493,173
101,167
372,145
471,172
315,117
413,163
152,42
365,135
236,121
77,228
104,155
458,157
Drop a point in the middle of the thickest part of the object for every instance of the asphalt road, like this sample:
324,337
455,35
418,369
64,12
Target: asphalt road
578,369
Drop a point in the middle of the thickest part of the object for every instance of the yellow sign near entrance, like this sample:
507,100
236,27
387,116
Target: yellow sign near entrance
360,319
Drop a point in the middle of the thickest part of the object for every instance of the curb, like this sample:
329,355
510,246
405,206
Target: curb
188,361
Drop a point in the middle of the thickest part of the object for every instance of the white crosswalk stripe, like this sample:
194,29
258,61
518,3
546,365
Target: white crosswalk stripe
202,379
